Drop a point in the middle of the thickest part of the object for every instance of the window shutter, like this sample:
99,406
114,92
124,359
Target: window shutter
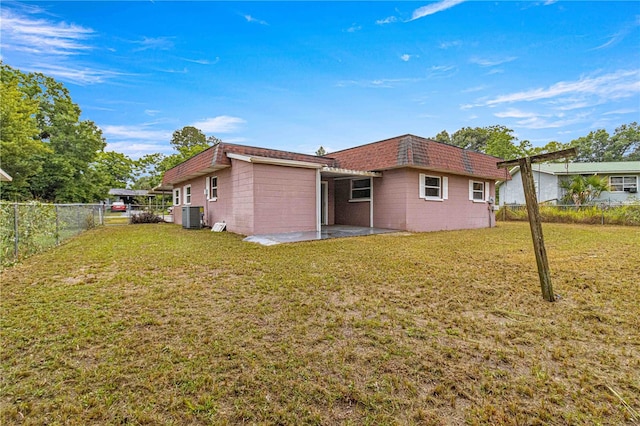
487,191
445,188
471,190
207,190
422,178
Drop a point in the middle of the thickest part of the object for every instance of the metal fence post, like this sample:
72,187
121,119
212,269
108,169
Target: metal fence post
57,226
15,230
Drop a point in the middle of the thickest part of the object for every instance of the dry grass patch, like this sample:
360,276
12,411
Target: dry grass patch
153,324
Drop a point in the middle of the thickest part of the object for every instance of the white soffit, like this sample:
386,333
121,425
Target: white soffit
334,171
274,161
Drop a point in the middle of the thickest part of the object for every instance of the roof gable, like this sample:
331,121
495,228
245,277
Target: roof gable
414,151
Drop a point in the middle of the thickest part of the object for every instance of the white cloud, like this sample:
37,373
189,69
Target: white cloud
42,36
616,85
387,20
485,62
449,44
140,132
251,19
406,57
621,111
381,83
353,28
154,43
433,8
515,113
441,71
136,150
220,124
620,35
203,61
73,73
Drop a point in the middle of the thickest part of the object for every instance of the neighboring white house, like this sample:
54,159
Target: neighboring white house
623,178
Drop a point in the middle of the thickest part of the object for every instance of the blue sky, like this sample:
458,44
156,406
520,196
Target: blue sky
297,75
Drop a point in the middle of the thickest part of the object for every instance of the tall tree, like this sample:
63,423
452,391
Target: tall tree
21,150
148,171
498,141
115,169
70,145
599,145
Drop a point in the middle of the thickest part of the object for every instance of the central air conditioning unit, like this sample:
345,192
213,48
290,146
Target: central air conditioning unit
192,217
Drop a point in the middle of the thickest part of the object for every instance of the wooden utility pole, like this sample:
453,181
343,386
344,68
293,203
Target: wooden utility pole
535,223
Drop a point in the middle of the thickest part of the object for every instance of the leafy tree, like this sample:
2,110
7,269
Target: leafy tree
498,141
443,137
190,141
581,190
599,146
115,169
625,143
549,147
148,171
21,149
321,151
64,167
474,139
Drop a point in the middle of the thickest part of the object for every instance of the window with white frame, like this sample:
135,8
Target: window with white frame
623,183
187,194
213,188
176,197
434,187
361,189
478,191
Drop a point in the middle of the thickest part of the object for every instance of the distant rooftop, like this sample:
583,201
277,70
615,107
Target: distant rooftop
607,167
128,192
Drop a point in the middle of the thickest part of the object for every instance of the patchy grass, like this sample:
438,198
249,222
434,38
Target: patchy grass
153,324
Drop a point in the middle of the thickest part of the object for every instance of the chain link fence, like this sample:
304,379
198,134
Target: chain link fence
28,228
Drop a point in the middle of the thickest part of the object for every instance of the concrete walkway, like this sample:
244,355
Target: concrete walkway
332,231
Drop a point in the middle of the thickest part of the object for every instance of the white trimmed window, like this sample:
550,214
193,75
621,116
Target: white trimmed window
360,189
623,183
176,197
434,188
478,191
187,194
212,185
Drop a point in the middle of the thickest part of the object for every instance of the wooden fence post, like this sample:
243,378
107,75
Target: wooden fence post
535,222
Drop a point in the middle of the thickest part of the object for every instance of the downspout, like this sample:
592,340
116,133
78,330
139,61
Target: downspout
371,203
318,202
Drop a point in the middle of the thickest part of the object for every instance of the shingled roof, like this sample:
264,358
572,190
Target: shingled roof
401,151
215,158
414,151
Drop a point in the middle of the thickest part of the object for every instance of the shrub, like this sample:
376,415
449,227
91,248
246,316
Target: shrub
145,217
620,215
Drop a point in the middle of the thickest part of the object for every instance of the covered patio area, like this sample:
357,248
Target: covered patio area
327,231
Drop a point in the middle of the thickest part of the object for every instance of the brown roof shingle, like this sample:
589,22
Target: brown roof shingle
401,151
414,151
215,157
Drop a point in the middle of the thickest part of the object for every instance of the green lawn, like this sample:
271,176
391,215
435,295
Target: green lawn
153,324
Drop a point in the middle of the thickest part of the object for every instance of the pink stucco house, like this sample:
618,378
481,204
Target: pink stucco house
405,183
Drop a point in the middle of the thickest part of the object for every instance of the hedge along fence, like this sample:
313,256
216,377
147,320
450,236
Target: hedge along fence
27,228
603,214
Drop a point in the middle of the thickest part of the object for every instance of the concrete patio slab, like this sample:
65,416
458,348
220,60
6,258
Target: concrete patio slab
332,231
